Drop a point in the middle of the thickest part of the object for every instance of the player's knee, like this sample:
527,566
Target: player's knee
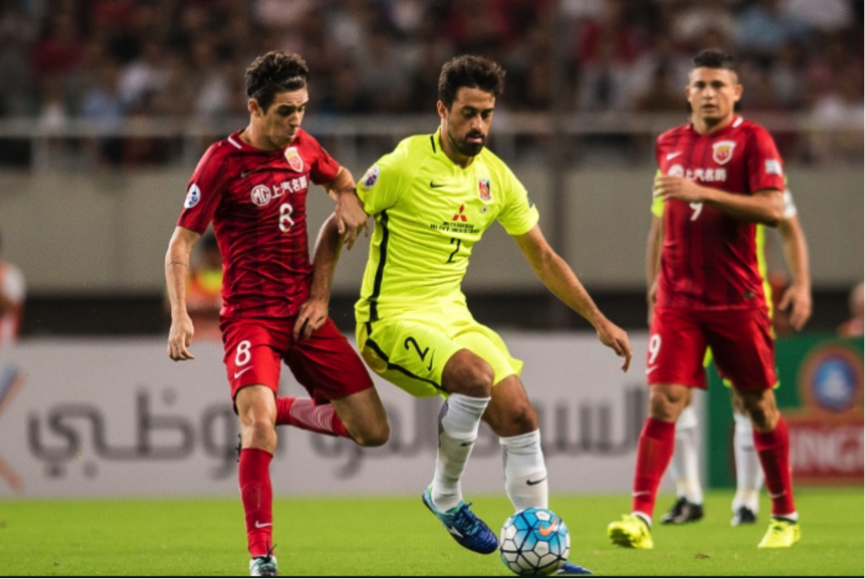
665,405
474,379
762,411
374,435
258,433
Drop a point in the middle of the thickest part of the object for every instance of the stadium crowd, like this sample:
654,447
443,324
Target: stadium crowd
111,60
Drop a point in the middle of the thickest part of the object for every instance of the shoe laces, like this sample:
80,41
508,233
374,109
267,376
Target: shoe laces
466,520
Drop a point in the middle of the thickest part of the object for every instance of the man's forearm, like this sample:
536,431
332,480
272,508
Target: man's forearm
766,209
327,250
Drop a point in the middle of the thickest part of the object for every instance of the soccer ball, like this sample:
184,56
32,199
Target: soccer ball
534,542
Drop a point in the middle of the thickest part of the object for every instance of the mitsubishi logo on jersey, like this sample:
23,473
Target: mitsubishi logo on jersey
722,151
11,381
461,216
294,159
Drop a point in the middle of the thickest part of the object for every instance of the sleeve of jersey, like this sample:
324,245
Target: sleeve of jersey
324,168
204,191
519,214
381,185
764,163
657,202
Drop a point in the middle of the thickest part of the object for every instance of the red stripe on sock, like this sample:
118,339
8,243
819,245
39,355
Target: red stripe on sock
256,492
654,452
773,449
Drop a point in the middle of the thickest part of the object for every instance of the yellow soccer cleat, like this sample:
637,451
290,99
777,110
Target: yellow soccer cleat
632,531
780,534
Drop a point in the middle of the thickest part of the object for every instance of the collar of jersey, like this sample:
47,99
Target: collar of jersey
727,128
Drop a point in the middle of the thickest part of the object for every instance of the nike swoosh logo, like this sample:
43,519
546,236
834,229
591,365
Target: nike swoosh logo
454,532
436,185
532,483
650,369
262,525
549,529
239,374
640,493
431,362
673,155
778,496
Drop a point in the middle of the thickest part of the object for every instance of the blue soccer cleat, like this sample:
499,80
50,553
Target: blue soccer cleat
569,568
466,529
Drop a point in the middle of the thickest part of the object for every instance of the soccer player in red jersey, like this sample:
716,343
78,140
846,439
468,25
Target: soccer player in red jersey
252,187
719,176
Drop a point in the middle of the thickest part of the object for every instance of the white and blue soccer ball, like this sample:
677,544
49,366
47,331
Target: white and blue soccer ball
534,542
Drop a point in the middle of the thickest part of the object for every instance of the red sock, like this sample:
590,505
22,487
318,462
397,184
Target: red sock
654,452
774,451
256,493
305,414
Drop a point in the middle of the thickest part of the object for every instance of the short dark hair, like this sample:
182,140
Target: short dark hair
275,72
470,71
713,58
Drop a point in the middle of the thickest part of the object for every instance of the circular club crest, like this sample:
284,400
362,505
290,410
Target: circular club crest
832,379
676,171
193,196
261,195
371,177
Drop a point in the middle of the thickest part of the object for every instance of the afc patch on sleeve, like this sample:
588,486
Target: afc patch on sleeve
371,177
773,167
193,196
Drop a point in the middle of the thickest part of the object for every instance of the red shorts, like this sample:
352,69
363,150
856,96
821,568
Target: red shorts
325,363
741,342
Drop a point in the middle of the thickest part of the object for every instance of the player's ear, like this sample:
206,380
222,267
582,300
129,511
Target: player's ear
737,92
253,108
442,110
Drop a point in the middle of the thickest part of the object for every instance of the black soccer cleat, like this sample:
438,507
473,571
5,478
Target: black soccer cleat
683,512
744,516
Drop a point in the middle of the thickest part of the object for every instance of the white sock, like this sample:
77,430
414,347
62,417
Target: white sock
525,471
459,420
749,473
684,468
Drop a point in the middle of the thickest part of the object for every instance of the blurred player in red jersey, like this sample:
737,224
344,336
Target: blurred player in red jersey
795,302
719,176
252,186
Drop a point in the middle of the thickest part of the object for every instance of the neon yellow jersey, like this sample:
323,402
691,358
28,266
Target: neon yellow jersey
429,213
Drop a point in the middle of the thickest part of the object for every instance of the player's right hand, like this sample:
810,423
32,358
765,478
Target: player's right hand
180,338
351,218
616,338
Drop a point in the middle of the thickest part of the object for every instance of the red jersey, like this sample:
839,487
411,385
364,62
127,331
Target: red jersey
709,259
257,202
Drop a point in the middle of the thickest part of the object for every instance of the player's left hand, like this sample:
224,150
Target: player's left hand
350,217
798,300
616,338
312,316
669,187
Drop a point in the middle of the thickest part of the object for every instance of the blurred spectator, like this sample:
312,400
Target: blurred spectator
841,109
825,15
762,29
204,290
16,35
693,20
854,326
12,293
144,76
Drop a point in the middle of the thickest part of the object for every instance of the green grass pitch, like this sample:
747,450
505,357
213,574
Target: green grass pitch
398,536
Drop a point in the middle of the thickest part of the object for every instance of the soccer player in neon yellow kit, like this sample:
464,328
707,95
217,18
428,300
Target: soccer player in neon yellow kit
432,198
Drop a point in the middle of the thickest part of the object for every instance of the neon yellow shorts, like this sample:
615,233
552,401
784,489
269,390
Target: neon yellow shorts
412,350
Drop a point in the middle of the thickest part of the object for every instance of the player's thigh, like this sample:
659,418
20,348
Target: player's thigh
489,346
676,349
253,353
743,348
411,354
327,366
